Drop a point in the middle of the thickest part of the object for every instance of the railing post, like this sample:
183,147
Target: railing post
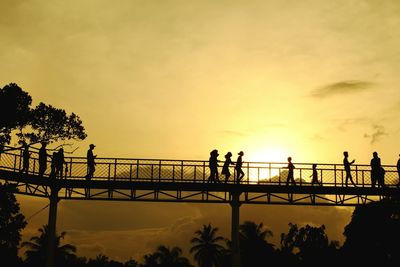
334,174
70,167
356,174
182,170
130,172
301,176
204,171
270,170
115,169
15,163
248,172
137,169
159,171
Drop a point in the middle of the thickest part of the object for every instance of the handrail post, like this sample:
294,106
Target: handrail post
182,170
159,171
137,169
115,169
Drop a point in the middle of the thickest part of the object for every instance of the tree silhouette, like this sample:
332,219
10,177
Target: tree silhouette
43,123
309,244
11,224
207,251
254,247
373,234
37,248
166,257
14,110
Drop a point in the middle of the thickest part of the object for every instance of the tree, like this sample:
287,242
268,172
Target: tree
52,124
43,123
14,110
309,244
373,234
254,247
11,224
36,254
166,257
207,251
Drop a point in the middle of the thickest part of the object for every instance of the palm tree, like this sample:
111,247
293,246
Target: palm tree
166,257
254,247
207,251
171,257
37,249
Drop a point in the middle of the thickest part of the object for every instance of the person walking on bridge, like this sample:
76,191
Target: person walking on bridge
42,159
59,162
314,176
375,169
225,168
25,158
213,165
347,165
90,162
290,177
238,167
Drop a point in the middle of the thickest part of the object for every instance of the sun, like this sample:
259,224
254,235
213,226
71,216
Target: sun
268,154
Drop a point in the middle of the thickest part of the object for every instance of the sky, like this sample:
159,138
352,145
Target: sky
177,78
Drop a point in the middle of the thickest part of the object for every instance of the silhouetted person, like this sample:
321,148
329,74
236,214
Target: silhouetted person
225,168
25,158
398,168
314,175
213,165
238,167
375,169
53,165
347,164
60,163
290,177
90,162
42,159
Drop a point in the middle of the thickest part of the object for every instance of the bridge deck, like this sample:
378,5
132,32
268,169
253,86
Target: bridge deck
187,181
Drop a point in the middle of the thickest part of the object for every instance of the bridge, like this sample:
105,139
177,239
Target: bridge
166,180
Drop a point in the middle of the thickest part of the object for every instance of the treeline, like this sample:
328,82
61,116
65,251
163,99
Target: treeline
372,237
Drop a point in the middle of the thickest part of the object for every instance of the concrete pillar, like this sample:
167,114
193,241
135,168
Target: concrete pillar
51,245
235,204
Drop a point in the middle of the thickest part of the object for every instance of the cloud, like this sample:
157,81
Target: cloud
379,132
342,87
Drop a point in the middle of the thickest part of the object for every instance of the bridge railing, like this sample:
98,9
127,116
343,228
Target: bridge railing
197,171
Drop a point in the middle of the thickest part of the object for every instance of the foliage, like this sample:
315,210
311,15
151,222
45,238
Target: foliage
310,244
37,249
11,224
43,123
207,251
373,234
166,257
255,250
14,110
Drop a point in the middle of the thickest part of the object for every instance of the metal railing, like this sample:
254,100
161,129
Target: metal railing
197,171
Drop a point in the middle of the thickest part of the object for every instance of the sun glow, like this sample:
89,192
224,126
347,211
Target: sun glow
268,154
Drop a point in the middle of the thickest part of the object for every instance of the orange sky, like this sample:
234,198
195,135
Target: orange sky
176,79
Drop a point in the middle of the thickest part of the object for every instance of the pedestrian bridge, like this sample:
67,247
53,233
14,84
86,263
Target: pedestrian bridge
166,180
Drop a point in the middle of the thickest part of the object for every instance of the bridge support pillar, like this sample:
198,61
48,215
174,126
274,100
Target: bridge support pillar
235,204
51,228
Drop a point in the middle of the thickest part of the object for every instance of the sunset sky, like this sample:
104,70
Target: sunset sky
176,79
